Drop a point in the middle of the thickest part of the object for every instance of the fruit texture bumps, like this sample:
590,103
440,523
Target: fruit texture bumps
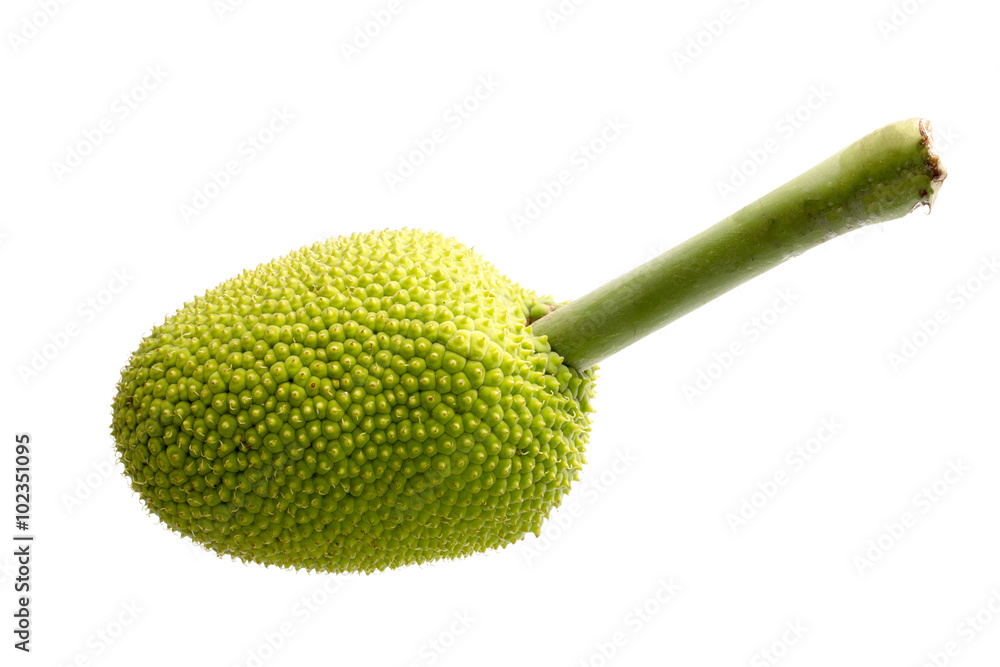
364,403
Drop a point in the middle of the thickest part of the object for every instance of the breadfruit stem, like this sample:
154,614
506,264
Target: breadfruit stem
882,176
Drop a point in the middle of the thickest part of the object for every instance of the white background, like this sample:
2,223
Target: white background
691,460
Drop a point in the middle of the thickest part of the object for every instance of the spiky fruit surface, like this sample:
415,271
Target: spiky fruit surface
360,404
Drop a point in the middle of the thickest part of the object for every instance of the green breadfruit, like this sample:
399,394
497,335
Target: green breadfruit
389,398
364,403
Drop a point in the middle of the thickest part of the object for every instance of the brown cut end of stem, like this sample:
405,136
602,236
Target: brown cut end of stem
936,169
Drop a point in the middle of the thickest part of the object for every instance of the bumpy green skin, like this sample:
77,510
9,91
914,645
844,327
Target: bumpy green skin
364,403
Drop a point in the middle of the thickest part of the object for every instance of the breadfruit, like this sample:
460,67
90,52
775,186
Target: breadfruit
369,402
389,398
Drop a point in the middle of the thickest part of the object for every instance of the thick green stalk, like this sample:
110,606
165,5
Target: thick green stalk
880,177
